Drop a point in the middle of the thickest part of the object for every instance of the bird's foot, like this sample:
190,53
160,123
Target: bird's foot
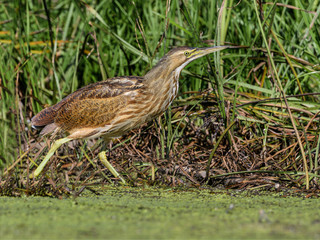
105,162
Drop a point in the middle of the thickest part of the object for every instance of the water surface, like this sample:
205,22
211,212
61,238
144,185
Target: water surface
122,213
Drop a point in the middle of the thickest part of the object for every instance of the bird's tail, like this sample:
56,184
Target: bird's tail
45,120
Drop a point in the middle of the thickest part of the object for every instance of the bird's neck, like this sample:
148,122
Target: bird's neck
162,75
162,83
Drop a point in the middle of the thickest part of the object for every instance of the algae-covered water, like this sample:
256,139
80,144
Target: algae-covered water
127,213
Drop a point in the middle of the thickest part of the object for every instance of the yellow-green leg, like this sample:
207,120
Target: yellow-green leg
52,150
57,144
105,162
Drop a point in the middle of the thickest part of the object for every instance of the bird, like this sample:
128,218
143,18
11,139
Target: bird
112,107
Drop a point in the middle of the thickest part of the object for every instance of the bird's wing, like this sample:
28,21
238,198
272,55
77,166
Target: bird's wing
91,105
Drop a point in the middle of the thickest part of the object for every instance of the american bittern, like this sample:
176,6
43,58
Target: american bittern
113,107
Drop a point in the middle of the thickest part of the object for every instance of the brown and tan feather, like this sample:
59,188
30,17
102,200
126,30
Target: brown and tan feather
88,108
117,105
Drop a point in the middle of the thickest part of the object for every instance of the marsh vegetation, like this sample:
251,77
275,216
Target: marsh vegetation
244,118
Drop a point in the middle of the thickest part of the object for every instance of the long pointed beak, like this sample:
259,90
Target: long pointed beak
200,52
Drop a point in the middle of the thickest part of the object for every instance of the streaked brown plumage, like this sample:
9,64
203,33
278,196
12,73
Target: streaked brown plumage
117,105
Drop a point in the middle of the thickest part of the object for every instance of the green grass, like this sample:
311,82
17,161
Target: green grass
46,54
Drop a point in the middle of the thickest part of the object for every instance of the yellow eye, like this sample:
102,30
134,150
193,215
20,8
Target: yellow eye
187,54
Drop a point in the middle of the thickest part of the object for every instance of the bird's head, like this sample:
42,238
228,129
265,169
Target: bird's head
177,58
181,56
